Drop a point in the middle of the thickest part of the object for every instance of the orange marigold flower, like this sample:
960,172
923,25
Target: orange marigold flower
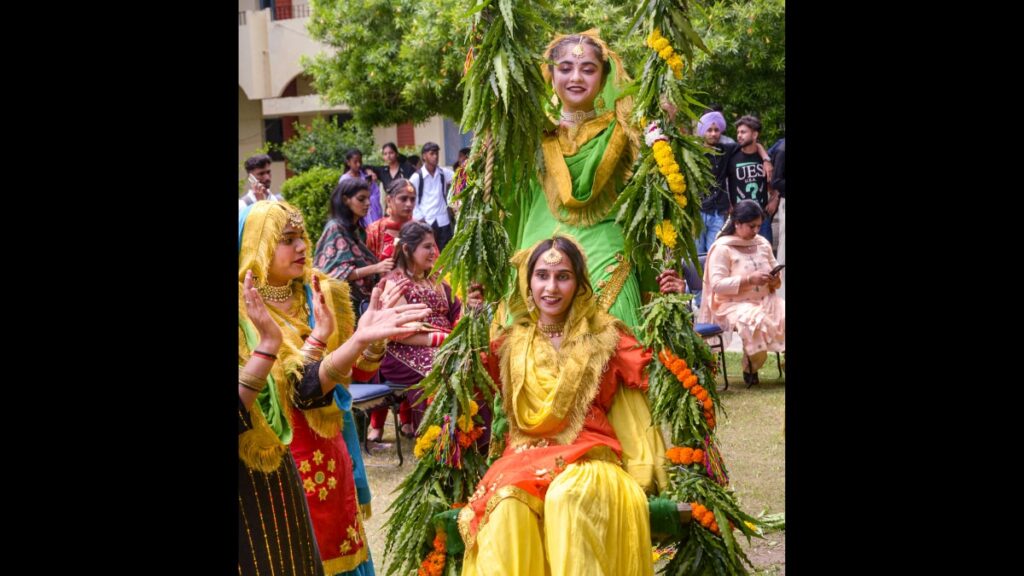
707,519
687,383
702,395
439,542
698,455
714,527
685,454
707,403
687,373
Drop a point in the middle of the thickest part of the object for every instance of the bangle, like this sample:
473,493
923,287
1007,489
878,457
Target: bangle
333,373
372,358
264,356
254,389
316,341
311,354
254,383
268,355
378,346
436,338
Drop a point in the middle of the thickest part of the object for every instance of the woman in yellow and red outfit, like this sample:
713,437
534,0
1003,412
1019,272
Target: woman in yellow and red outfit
567,497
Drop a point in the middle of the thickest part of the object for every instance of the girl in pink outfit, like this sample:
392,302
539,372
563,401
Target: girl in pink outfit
740,290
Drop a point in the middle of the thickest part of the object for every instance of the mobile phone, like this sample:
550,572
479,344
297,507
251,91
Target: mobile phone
775,271
252,180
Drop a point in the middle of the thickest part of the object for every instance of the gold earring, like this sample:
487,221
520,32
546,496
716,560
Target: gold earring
599,102
530,305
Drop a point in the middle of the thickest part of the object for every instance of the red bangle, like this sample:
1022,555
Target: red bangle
264,355
316,341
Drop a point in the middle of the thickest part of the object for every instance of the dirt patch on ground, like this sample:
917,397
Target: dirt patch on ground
768,555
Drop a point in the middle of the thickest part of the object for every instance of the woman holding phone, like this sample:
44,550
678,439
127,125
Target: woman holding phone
740,283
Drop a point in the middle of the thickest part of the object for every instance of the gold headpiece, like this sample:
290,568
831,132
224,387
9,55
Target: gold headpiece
295,219
552,256
577,51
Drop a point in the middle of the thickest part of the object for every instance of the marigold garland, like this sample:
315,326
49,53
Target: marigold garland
704,517
677,366
426,441
433,564
660,44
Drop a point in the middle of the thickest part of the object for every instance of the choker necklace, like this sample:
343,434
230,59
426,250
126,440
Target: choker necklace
275,293
578,117
414,278
551,330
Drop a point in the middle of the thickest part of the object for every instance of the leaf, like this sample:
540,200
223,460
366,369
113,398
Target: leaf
502,73
506,13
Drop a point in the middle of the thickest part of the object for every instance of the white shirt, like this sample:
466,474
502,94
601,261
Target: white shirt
252,196
433,207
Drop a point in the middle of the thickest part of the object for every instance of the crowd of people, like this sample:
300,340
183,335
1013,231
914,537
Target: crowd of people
365,303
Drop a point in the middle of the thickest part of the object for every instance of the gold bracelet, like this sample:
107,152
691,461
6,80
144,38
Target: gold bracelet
378,346
371,357
311,354
254,389
251,382
367,365
333,373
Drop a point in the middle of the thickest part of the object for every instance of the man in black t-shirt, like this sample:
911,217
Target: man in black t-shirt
745,177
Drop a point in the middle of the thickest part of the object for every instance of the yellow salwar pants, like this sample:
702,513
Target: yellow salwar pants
595,523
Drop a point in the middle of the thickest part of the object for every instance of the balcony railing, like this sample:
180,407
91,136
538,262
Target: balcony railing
283,13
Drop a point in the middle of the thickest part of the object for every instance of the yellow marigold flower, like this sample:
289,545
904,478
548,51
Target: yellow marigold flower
660,44
680,197
660,145
426,442
671,168
466,423
473,408
656,556
666,232
666,52
675,177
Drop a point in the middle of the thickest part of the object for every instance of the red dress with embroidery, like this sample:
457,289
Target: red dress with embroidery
407,365
325,469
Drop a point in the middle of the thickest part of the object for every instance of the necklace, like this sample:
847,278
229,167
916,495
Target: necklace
578,117
275,293
551,330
